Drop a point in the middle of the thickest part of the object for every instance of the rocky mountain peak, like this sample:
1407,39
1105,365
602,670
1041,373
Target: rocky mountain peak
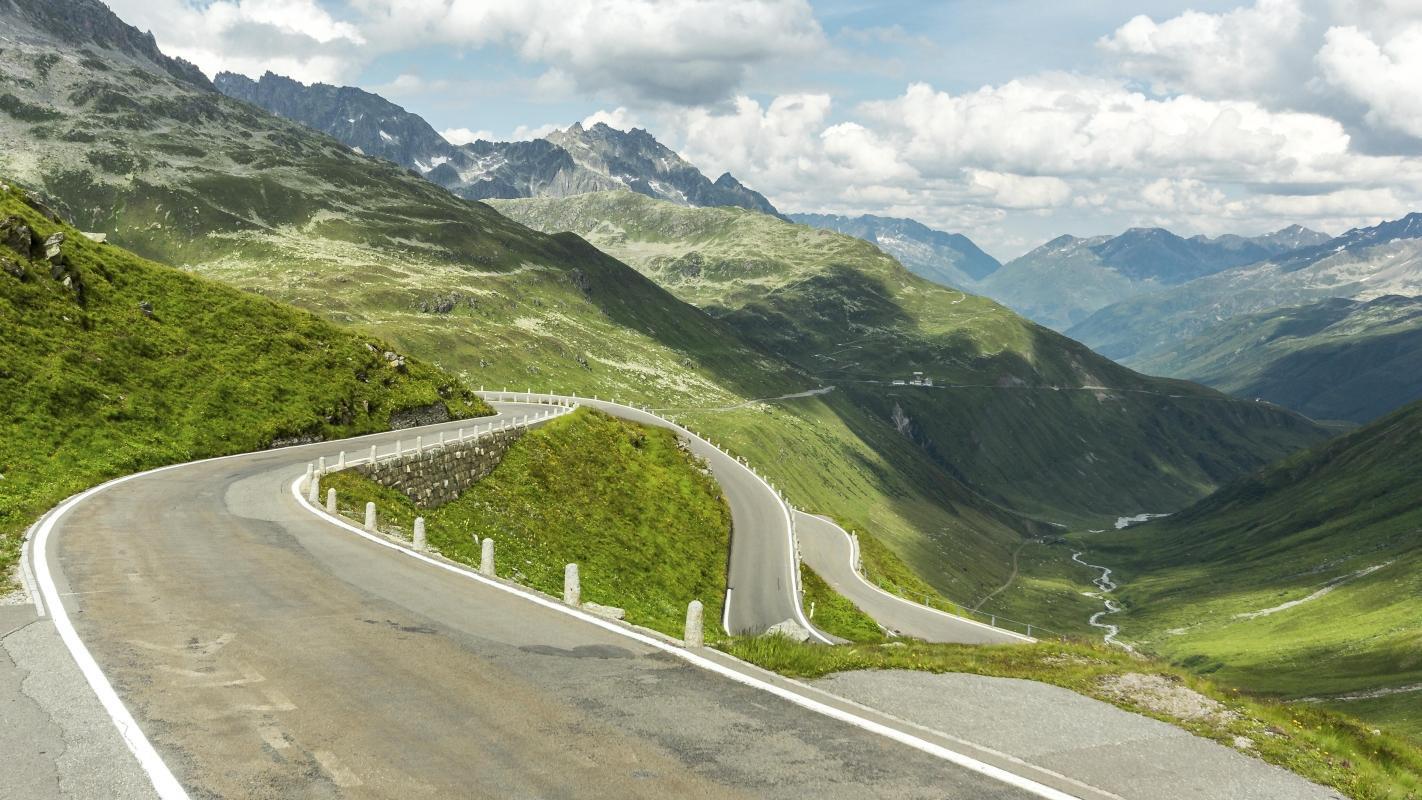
90,22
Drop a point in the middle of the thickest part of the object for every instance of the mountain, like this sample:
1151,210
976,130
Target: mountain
114,364
1362,264
564,163
1023,415
1065,280
1304,580
1336,359
947,258
181,173
178,172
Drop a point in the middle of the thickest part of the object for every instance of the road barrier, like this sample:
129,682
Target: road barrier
486,557
417,537
331,501
693,634
572,591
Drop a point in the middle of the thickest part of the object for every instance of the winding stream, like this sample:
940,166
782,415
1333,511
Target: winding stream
1106,585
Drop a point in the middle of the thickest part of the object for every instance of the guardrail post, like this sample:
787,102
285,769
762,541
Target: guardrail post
310,470
341,460
693,636
419,445
321,464
1029,630
331,501
486,557
572,592
370,517
372,454
418,537
441,438
461,434
313,492
992,620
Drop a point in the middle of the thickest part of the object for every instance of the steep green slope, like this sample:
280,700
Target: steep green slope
111,364
1337,359
1304,580
637,513
1024,416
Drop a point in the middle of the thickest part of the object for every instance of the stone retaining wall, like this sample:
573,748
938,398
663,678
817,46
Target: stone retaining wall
441,474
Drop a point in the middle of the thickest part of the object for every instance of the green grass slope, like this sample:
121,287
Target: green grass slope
1022,415
639,515
1302,581
93,387
1336,359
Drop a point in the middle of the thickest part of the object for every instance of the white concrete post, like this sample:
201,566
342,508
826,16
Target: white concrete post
571,590
461,434
370,517
694,636
419,444
321,463
486,557
313,492
341,460
418,538
331,501
372,454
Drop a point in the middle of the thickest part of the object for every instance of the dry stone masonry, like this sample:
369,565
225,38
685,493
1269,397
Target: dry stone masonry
441,474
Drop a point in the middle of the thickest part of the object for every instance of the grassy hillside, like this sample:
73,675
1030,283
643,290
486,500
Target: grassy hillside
1336,359
110,364
1302,581
1025,417
638,513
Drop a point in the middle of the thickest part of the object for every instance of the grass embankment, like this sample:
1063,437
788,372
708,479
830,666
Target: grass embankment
637,513
94,387
833,613
1320,745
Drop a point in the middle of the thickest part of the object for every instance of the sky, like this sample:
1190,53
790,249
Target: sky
1011,122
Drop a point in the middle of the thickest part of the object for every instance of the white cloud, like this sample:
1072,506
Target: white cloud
1233,54
459,136
678,51
1387,77
296,38
619,118
524,133
1005,190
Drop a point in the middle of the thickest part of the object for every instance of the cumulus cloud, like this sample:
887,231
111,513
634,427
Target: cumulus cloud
1236,53
1384,74
679,51
619,118
296,38
459,136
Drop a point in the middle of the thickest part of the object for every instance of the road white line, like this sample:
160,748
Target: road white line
164,783
824,709
853,558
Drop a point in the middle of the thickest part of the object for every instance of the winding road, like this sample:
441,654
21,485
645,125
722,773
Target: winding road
830,552
260,650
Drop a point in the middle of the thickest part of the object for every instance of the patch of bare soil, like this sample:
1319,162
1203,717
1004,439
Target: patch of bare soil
1163,695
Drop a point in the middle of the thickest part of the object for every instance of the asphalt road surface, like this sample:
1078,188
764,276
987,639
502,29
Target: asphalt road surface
268,653
827,549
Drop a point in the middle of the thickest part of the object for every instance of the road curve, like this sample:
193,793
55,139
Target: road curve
267,652
829,551
762,576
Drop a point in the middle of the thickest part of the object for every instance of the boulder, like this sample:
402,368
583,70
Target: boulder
790,629
16,235
12,267
54,249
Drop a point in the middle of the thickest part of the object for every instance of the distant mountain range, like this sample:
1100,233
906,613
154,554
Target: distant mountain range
1329,329
1065,280
950,259
567,162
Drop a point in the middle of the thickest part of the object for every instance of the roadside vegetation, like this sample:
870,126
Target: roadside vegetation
833,613
1329,748
637,512
111,364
